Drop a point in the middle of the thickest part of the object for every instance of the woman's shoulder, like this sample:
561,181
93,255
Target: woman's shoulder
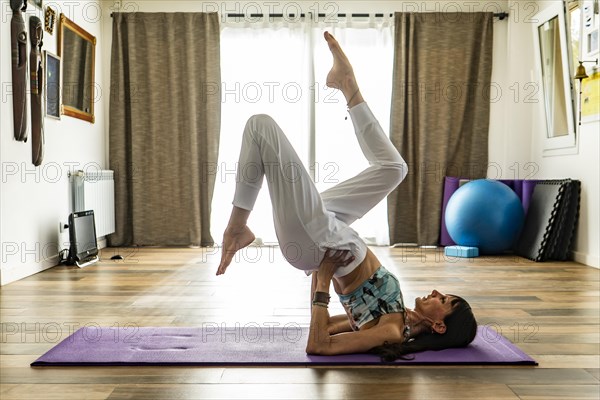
391,324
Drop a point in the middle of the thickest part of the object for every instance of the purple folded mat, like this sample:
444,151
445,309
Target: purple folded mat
249,345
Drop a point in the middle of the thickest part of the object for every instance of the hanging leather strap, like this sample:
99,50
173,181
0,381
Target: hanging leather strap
36,32
18,37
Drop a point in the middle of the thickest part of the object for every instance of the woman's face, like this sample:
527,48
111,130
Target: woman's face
437,306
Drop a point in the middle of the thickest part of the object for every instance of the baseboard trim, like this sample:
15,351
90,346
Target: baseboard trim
12,274
587,259
24,270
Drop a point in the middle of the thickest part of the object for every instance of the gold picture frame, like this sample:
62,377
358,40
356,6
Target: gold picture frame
78,71
49,20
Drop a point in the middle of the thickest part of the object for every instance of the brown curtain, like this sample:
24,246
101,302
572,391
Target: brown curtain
165,111
439,115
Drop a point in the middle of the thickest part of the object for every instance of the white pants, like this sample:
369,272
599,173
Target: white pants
306,222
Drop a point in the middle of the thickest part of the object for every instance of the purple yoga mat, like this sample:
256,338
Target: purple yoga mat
215,345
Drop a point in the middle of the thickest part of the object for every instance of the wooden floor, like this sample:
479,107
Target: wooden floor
550,310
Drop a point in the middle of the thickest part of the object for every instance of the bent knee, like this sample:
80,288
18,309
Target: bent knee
261,120
260,125
402,171
395,173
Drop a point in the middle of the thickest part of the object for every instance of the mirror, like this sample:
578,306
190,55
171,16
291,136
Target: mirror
77,49
553,60
554,99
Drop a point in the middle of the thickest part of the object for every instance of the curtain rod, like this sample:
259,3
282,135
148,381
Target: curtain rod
500,16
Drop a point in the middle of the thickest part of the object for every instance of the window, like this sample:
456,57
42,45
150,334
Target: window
553,57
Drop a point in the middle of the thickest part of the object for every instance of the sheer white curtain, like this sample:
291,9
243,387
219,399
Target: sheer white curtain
268,68
264,71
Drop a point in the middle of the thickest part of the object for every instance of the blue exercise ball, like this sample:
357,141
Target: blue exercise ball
485,214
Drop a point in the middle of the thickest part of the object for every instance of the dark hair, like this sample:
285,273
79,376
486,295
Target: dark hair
461,328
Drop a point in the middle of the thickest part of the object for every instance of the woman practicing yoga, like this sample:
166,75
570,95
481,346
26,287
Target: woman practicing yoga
314,235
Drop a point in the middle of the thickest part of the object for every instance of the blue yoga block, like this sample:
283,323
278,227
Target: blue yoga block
461,251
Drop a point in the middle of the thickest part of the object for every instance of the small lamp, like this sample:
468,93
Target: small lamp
581,74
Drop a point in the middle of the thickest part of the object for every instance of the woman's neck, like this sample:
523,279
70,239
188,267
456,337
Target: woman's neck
417,323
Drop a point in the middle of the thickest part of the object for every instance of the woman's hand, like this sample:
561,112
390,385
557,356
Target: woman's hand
333,260
319,337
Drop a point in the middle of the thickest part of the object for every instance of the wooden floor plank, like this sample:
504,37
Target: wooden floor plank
313,391
411,375
562,392
56,392
595,372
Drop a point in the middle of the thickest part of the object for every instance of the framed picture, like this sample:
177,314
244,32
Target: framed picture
53,81
49,19
37,3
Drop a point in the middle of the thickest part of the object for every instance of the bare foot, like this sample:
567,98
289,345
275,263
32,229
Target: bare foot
233,240
341,75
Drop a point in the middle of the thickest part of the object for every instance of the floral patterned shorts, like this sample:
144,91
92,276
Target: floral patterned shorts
378,295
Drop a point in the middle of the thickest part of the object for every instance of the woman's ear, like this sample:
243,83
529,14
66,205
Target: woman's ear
439,327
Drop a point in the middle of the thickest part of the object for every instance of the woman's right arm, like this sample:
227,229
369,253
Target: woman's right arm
337,323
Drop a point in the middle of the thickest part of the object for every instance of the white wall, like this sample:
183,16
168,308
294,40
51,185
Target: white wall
510,130
34,200
585,166
524,132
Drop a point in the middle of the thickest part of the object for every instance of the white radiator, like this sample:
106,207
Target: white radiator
95,190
